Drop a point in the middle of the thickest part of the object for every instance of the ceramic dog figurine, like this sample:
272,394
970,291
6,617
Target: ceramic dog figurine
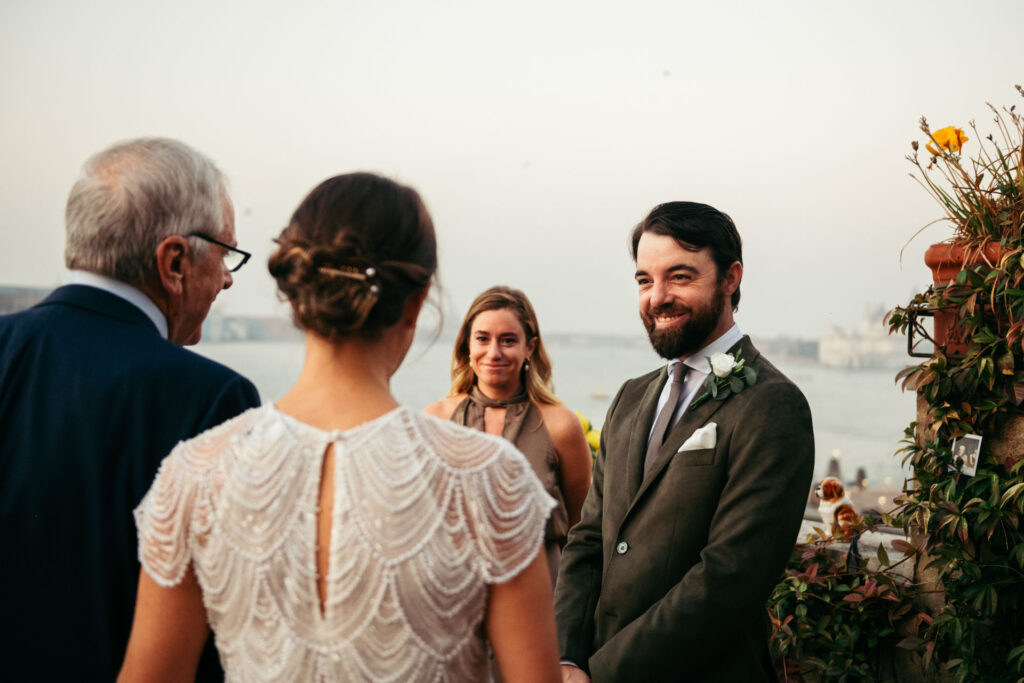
836,508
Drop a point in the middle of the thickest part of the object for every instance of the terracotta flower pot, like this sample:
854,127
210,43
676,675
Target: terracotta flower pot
946,260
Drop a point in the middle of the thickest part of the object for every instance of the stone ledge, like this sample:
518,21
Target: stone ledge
868,545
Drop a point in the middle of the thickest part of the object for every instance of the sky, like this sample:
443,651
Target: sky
538,133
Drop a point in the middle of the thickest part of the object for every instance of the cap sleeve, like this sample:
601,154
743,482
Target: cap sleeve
508,509
163,519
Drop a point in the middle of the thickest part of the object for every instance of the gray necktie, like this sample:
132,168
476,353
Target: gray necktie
664,421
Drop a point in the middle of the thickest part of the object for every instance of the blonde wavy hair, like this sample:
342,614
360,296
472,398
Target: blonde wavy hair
537,379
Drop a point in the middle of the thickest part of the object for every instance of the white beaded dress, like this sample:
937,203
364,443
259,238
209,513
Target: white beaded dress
426,514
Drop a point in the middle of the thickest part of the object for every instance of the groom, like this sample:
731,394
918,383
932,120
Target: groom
696,500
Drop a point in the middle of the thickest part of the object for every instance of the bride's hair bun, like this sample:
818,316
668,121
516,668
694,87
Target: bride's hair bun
354,252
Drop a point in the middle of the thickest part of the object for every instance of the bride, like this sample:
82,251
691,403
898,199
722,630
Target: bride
338,535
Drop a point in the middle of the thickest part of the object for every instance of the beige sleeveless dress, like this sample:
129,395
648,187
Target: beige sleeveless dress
525,428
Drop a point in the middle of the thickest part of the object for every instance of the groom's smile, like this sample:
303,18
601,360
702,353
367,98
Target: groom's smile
662,320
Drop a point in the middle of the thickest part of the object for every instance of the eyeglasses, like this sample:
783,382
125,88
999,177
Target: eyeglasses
234,258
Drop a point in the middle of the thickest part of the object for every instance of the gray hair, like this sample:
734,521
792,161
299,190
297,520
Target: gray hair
134,195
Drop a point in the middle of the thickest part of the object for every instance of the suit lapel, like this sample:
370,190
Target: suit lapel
692,419
638,436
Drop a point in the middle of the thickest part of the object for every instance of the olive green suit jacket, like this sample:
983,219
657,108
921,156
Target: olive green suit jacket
665,578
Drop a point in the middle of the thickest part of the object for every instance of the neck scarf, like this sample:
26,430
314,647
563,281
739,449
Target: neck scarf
471,411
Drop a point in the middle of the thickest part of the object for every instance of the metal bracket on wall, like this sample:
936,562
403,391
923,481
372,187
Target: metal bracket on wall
912,317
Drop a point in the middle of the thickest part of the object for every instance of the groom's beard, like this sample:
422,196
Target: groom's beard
692,334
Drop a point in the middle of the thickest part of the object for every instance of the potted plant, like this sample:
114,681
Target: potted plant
982,197
967,522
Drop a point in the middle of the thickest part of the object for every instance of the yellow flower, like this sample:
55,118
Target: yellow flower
592,435
949,138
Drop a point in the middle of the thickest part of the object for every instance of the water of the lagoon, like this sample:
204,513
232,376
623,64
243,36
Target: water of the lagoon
858,415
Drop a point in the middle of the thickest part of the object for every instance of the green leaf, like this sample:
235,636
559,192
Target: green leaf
1011,493
1017,556
883,557
736,384
749,375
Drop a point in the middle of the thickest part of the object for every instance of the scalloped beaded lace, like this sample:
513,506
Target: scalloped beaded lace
426,514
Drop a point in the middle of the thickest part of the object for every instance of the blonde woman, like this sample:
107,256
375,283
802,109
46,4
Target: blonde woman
501,384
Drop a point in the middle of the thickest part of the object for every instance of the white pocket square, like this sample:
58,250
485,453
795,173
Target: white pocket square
705,437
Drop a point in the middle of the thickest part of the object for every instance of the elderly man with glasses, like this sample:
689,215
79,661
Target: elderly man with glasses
95,389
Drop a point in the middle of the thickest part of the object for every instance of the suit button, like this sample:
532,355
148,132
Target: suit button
622,547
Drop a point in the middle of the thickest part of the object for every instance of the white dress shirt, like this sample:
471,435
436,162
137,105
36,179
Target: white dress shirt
127,292
698,370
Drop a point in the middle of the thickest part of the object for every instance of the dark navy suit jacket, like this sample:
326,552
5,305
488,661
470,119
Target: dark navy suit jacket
91,400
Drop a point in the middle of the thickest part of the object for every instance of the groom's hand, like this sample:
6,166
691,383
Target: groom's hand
574,674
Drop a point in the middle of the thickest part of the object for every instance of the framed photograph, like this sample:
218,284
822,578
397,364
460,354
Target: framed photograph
966,451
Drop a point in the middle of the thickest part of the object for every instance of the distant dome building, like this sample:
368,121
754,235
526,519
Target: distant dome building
869,347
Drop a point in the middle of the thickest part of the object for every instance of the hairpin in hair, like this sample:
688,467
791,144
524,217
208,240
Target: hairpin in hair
352,273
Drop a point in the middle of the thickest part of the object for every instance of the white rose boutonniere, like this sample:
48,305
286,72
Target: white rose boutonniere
729,375
722,364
